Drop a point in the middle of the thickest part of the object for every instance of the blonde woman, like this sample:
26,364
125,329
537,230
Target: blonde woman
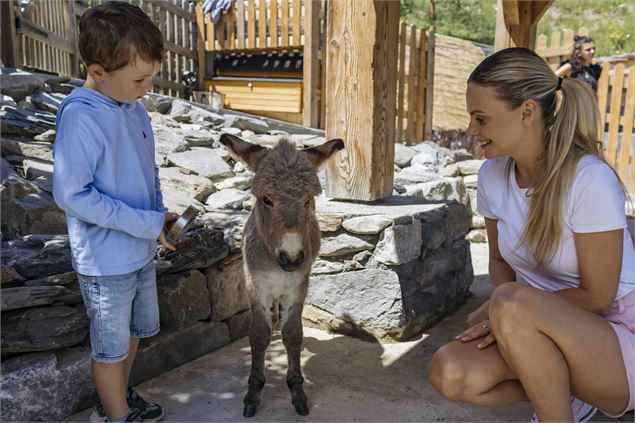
559,328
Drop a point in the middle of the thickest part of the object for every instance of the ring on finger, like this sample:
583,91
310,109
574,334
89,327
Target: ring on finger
485,326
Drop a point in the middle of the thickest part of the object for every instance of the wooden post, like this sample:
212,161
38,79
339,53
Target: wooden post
516,22
71,34
9,45
360,87
310,64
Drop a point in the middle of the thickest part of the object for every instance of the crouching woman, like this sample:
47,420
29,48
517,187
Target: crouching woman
559,328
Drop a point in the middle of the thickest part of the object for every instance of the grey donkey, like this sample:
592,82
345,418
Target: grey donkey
281,240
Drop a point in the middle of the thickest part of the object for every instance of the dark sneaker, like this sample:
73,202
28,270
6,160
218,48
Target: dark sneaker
148,412
140,409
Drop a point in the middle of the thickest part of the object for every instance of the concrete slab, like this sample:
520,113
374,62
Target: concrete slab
347,379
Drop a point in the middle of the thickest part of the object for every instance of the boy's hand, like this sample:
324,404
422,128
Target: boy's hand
164,241
169,219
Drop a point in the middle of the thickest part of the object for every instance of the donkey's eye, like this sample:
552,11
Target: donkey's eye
308,203
267,201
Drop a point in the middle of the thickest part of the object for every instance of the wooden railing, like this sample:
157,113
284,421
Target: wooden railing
257,24
616,97
46,37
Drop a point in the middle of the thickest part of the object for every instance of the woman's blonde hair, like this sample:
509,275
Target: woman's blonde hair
569,111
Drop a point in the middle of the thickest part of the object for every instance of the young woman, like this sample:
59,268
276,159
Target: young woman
559,328
580,65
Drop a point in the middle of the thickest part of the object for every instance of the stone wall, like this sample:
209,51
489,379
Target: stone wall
387,269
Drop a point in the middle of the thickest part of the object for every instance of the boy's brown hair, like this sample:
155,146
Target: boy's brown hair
116,33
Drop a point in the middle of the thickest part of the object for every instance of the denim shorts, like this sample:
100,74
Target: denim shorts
120,307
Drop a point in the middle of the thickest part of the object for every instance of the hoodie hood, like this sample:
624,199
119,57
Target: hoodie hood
93,99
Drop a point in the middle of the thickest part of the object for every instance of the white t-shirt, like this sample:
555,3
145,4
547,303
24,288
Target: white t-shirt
595,203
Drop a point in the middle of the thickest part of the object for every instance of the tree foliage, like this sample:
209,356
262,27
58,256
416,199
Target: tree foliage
611,22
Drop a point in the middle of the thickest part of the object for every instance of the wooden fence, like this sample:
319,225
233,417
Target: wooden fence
46,37
616,99
616,96
558,47
254,25
414,85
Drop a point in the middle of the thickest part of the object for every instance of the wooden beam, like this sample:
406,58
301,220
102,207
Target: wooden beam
310,63
9,44
516,22
361,66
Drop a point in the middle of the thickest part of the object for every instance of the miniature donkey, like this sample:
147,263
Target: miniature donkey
281,240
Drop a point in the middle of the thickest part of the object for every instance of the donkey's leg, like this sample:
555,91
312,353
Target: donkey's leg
292,340
259,338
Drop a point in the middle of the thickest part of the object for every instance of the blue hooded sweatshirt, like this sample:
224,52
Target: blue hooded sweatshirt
106,180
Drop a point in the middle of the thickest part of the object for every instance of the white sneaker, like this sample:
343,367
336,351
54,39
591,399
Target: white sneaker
582,412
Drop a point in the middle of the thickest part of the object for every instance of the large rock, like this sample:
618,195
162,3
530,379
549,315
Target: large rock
441,190
226,286
46,386
32,296
230,198
366,225
258,126
403,155
183,111
42,328
399,244
178,179
239,325
20,121
183,299
168,140
27,147
204,161
342,245
370,300
36,256
199,248
19,84
170,349
26,208
230,222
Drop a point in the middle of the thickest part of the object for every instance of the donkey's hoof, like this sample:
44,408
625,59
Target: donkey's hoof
249,410
301,408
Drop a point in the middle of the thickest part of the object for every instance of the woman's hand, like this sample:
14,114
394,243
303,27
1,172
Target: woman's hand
478,315
480,330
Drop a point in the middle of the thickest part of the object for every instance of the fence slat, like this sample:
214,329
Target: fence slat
240,23
251,24
421,85
614,123
603,94
273,22
412,93
297,22
262,24
627,128
284,9
400,82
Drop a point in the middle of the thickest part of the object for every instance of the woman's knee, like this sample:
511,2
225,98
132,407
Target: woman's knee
448,373
513,305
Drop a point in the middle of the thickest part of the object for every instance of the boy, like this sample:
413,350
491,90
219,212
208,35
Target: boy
106,180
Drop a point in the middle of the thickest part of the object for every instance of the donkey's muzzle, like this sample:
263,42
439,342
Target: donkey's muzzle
287,264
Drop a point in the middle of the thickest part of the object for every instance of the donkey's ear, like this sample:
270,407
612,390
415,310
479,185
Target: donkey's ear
249,153
318,154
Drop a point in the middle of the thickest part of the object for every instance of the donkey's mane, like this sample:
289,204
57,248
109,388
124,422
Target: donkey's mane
286,170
